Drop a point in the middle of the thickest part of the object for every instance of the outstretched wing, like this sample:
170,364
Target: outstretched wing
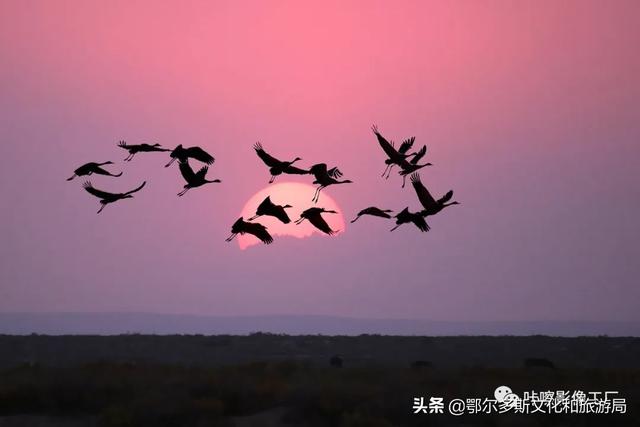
98,193
446,197
265,203
260,231
320,224
266,158
202,173
281,214
334,173
406,145
138,188
420,154
420,222
386,145
423,194
295,171
201,155
187,172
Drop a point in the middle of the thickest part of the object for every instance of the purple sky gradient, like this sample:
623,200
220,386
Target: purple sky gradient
529,110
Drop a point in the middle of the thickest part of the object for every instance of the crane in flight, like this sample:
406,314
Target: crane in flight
106,198
314,216
278,167
268,208
91,168
430,205
325,177
194,179
134,149
373,211
183,154
254,228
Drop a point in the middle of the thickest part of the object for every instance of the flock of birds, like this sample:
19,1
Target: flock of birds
408,162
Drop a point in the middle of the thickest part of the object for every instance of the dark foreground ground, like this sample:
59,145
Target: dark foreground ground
272,380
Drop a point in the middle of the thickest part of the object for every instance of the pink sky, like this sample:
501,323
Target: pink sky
529,110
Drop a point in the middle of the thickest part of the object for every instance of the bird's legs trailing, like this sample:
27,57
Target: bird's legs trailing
173,159
389,172
253,217
385,170
395,227
183,192
230,238
101,207
129,157
273,178
299,221
316,196
404,180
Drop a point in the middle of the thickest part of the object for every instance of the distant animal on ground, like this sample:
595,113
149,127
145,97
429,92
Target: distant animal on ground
278,167
315,218
134,149
373,211
106,198
254,228
534,362
183,154
336,361
267,207
91,168
421,364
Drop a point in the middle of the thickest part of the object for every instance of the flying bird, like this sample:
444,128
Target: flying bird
395,157
254,228
106,198
405,217
133,149
183,154
315,218
325,178
267,207
430,205
410,167
194,179
278,167
373,211
91,168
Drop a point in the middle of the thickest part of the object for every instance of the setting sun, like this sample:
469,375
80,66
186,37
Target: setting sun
299,197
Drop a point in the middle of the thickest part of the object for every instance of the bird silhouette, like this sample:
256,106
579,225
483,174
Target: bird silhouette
313,215
410,167
394,156
183,154
278,167
106,198
91,168
430,205
267,207
133,149
194,180
373,211
325,178
254,228
405,217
